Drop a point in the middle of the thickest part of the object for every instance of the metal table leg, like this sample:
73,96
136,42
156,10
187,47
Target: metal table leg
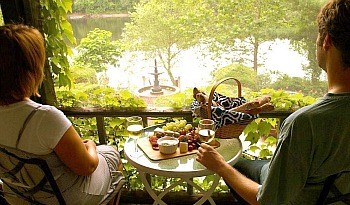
206,194
158,198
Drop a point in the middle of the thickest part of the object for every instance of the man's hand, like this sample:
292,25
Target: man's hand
210,158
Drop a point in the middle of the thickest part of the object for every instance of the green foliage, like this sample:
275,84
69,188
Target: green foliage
83,75
259,19
103,6
242,26
296,84
178,100
260,129
85,95
92,6
97,51
244,74
253,82
267,129
82,26
292,102
284,101
56,28
133,178
303,32
86,127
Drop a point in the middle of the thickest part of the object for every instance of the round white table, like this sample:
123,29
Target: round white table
184,167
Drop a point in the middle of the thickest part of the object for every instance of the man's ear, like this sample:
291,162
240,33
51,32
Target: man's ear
327,42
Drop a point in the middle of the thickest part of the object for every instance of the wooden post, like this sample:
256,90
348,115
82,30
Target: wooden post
102,136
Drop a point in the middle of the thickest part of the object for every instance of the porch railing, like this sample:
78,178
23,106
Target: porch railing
145,113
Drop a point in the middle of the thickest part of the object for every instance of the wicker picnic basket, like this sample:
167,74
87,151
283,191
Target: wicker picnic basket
226,131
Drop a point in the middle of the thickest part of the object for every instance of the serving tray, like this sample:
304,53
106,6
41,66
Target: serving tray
146,147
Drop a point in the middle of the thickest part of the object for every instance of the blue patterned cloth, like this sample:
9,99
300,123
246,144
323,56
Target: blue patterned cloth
222,114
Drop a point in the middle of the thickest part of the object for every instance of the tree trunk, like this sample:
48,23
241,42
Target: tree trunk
171,76
256,49
167,66
256,41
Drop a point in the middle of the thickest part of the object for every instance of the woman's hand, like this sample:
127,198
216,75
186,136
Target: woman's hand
89,144
210,158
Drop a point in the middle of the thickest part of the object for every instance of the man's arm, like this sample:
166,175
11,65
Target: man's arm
245,187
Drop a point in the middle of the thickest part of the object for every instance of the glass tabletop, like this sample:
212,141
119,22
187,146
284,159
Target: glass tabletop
183,166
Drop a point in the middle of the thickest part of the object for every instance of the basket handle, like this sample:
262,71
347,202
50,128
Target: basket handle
210,102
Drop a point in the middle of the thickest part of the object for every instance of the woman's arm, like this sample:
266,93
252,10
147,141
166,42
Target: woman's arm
78,155
245,187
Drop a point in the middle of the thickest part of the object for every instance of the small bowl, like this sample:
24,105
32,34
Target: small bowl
167,144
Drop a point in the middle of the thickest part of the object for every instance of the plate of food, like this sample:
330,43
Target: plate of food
184,141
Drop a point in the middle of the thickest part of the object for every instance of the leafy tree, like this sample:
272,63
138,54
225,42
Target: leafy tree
178,100
93,6
303,33
300,85
97,51
294,20
102,6
244,74
83,75
242,26
287,83
126,5
163,29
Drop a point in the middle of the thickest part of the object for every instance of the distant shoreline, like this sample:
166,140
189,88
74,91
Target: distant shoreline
80,16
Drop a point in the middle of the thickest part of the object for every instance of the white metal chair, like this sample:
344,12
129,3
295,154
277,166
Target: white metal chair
39,179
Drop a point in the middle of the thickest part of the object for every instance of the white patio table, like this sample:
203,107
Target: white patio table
184,167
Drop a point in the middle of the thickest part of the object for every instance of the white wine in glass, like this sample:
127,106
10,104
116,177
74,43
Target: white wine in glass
206,131
135,128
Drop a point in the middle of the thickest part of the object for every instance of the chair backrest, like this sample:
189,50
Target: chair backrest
332,191
27,176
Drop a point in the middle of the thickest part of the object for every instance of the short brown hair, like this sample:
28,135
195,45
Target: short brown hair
334,19
22,59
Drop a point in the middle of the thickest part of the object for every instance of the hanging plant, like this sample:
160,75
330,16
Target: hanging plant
57,28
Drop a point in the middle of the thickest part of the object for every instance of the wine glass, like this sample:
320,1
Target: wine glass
135,129
206,131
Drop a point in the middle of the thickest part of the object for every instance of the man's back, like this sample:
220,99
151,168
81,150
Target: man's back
313,145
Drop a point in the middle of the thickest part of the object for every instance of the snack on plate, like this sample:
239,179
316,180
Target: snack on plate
179,126
159,132
167,144
179,129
